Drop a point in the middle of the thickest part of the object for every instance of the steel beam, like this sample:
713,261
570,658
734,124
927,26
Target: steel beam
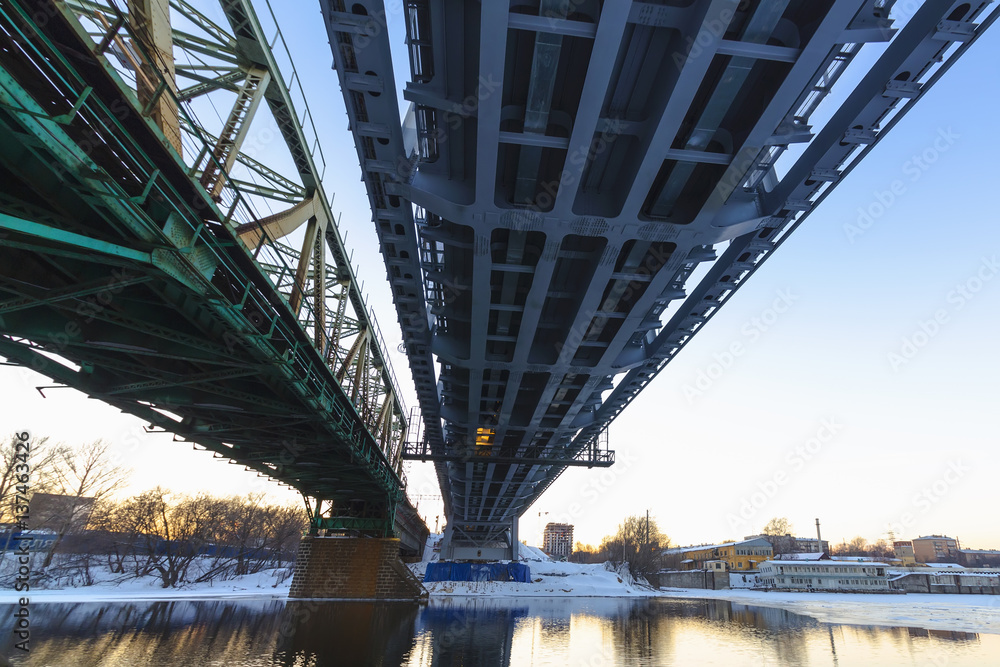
234,132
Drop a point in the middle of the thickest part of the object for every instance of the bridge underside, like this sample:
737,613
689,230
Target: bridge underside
570,166
121,277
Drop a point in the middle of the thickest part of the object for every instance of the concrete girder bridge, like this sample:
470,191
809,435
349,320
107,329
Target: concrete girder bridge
151,260
564,170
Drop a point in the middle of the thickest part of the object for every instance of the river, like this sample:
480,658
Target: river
564,632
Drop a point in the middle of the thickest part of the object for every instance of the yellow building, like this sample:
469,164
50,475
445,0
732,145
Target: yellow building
742,556
935,549
904,552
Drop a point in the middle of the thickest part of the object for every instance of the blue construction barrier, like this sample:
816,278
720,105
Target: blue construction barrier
447,571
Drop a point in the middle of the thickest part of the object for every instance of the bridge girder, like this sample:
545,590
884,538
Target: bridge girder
133,285
571,172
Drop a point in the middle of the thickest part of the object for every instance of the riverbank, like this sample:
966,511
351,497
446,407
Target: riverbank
273,583
949,612
557,579
548,579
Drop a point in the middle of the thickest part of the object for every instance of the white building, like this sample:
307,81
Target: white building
804,556
824,575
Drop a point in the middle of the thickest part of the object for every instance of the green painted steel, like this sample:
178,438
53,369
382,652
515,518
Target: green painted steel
96,246
124,279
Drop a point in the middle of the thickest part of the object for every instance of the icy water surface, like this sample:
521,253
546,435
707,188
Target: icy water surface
466,632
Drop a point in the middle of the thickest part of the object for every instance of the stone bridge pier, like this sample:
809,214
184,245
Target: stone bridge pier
353,568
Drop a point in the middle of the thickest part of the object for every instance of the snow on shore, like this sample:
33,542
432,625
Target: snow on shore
558,579
548,579
110,587
260,585
962,613
933,611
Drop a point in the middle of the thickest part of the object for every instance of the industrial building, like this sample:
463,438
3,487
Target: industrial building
789,544
935,549
826,575
739,556
903,549
979,558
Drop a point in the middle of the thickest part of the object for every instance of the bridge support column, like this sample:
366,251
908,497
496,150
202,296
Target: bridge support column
353,568
460,545
514,544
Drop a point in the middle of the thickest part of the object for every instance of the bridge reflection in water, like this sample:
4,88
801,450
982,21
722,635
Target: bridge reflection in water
463,631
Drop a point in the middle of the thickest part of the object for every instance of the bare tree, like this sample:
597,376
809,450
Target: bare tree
856,547
41,462
778,526
243,531
880,548
637,542
861,547
174,532
585,553
86,475
285,526
253,535
117,533
778,531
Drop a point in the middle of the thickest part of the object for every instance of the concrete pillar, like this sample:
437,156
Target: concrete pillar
447,551
514,544
353,568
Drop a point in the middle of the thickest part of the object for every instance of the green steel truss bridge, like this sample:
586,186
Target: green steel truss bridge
151,260
578,188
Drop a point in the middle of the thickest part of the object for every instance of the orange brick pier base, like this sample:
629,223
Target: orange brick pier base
353,568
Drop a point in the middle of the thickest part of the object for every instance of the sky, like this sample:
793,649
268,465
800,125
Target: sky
854,379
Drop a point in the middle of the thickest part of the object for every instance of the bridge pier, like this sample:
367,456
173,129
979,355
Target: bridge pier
460,545
353,568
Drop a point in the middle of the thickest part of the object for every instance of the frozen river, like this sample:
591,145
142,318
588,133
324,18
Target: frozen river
567,632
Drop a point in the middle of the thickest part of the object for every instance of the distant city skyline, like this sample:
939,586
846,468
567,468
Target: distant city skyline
853,379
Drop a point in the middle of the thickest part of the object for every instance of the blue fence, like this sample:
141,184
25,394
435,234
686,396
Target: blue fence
97,542
447,571
31,540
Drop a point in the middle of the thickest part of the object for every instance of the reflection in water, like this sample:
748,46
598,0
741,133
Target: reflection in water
592,632
146,633
471,631
465,632
321,634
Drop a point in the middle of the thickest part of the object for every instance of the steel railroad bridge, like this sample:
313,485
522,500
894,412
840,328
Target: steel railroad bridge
149,260
564,170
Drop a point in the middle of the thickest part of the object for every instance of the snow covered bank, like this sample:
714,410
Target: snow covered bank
107,586
549,578
962,613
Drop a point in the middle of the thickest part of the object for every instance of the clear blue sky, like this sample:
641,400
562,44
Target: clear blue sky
815,417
